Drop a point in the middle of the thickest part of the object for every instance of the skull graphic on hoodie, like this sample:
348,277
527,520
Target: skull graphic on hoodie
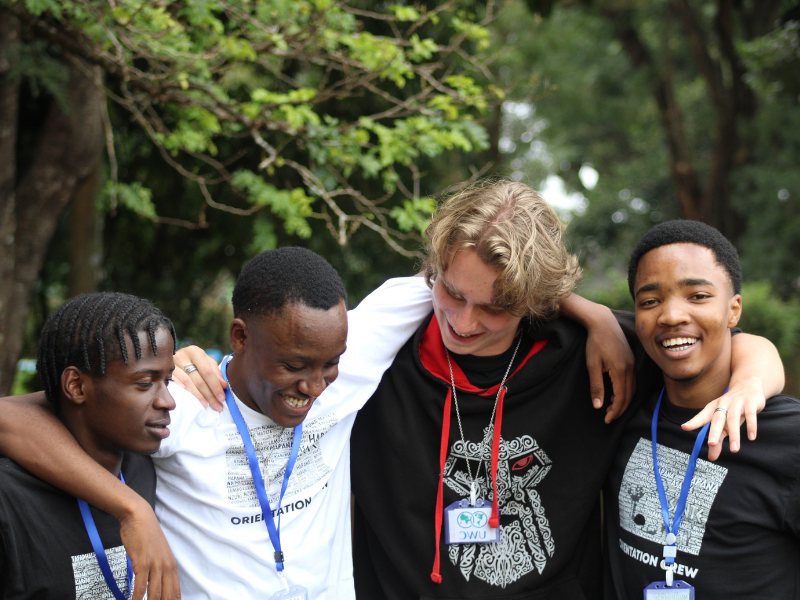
525,538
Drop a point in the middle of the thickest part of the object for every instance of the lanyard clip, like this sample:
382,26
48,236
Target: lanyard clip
669,575
473,493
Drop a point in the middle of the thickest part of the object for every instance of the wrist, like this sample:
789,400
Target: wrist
750,383
131,505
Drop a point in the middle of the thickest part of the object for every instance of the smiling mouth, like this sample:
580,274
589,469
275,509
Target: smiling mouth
678,344
461,335
296,402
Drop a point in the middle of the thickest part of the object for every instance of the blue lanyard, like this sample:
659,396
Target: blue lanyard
672,529
258,480
100,552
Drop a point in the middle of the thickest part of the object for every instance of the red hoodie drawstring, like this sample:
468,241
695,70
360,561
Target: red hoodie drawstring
435,576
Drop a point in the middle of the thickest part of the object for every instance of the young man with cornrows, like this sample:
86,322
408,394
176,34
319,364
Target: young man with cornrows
104,361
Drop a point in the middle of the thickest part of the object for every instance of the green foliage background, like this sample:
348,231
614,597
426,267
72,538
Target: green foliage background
572,100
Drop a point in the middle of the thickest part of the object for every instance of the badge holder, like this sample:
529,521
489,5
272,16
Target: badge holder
659,590
296,592
465,524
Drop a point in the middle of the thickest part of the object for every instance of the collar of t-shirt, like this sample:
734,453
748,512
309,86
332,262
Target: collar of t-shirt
251,416
486,371
676,414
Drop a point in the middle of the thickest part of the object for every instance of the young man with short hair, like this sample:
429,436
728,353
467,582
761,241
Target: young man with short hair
730,529
104,360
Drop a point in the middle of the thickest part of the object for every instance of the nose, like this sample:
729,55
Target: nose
164,399
463,319
672,313
313,385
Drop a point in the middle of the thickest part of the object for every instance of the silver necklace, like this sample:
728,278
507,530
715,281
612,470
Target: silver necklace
473,486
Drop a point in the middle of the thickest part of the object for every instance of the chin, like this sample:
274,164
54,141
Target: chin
683,376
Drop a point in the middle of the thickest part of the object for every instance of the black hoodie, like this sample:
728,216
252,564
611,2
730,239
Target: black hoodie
553,456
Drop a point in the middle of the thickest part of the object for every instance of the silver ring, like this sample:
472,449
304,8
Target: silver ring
189,368
723,410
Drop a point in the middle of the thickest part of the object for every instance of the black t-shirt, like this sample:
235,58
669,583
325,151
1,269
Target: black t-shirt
554,455
740,533
45,550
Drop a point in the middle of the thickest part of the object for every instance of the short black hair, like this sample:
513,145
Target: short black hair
682,231
284,276
88,332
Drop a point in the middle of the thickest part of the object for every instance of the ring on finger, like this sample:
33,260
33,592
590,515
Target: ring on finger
722,410
189,368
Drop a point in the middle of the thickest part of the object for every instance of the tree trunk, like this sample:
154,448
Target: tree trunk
85,252
732,101
66,154
9,114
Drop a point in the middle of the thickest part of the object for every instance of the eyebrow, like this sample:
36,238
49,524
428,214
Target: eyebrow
652,287
150,371
454,292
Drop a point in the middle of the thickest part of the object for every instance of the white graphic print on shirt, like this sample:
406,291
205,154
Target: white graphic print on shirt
89,581
525,541
639,506
274,443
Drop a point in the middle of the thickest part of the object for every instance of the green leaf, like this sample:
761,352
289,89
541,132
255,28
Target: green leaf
137,198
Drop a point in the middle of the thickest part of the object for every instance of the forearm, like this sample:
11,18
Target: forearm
756,358
583,311
32,436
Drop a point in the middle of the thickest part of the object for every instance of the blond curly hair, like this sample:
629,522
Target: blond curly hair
513,230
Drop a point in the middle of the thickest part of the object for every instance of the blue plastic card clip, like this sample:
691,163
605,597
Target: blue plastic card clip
465,524
659,590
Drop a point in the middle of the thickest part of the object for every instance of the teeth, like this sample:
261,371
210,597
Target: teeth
463,335
296,402
681,341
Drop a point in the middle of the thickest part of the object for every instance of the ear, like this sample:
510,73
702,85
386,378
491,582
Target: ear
736,310
74,384
238,334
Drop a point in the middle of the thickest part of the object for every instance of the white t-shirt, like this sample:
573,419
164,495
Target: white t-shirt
206,500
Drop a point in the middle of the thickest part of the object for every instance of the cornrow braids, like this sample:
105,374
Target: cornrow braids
151,331
131,304
133,322
99,331
88,332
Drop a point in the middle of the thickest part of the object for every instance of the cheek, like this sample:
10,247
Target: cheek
439,298
501,323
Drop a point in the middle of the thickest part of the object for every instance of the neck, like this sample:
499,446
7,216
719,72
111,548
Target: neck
238,383
109,458
699,391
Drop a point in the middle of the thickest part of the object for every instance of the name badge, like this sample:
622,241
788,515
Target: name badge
296,592
465,524
659,590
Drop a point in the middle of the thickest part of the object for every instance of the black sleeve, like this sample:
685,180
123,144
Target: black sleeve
3,550
791,519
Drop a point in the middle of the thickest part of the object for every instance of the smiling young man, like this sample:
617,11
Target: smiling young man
104,361
736,533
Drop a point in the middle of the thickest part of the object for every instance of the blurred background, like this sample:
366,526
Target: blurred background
153,148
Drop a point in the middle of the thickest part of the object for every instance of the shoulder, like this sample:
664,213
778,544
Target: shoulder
782,405
187,414
398,299
19,487
776,446
140,475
